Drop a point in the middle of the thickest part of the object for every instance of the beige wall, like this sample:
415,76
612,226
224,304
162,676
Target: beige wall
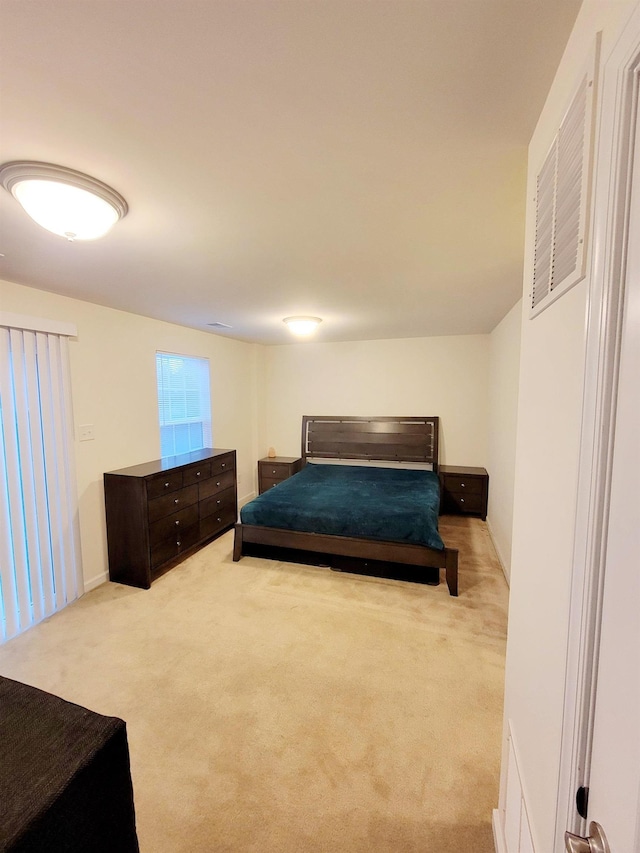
548,436
444,376
114,388
504,371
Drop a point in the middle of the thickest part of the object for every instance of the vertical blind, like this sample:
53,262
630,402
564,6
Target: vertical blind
40,563
184,403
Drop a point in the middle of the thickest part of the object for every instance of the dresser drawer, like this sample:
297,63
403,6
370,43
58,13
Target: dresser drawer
163,483
196,473
223,464
174,545
217,483
463,485
267,483
465,502
212,524
275,471
168,504
172,524
218,502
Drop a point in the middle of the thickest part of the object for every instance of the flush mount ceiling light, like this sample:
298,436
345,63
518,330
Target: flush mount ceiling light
68,203
302,326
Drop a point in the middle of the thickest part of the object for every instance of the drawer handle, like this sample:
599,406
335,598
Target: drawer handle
462,485
166,485
219,520
218,483
178,542
461,500
197,473
218,501
273,472
177,522
224,465
176,500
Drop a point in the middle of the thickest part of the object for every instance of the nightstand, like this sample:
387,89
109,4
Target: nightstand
464,491
274,470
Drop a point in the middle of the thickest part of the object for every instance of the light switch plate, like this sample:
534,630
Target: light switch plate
86,432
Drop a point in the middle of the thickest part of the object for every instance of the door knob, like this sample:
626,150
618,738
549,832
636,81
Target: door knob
595,842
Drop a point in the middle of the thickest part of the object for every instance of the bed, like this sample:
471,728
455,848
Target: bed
368,490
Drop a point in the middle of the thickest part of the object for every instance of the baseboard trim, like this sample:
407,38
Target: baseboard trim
245,500
499,841
95,581
496,547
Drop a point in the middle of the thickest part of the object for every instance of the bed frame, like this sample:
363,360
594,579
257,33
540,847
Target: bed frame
384,439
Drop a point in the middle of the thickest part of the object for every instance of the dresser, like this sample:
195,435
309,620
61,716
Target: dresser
160,512
463,490
273,470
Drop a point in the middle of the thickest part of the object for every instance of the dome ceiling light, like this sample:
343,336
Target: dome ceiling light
65,202
302,326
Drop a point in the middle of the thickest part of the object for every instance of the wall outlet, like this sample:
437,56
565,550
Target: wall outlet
86,432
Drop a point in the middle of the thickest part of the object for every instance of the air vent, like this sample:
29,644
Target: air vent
563,186
218,325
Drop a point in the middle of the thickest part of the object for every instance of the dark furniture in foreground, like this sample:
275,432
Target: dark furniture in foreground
411,439
160,512
275,469
465,491
65,780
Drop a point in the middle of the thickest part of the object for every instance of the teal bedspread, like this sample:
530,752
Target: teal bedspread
390,504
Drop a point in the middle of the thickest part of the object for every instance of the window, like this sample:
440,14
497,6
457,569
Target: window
184,403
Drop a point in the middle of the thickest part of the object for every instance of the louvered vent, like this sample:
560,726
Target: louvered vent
545,197
569,189
562,195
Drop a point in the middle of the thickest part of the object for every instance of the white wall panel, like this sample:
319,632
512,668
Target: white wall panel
444,376
513,804
526,841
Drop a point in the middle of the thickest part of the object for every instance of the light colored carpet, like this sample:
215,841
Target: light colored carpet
274,708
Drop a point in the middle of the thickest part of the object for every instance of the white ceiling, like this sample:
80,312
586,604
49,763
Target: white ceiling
359,160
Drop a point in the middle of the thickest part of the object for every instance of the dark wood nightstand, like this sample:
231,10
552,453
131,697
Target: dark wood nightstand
464,491
274,470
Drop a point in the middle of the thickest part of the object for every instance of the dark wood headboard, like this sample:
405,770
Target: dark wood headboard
383,438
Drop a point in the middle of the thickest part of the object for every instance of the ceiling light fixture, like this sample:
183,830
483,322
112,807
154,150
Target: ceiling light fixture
302,326
68,203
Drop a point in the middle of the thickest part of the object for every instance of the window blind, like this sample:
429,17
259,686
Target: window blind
184,403
40,562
